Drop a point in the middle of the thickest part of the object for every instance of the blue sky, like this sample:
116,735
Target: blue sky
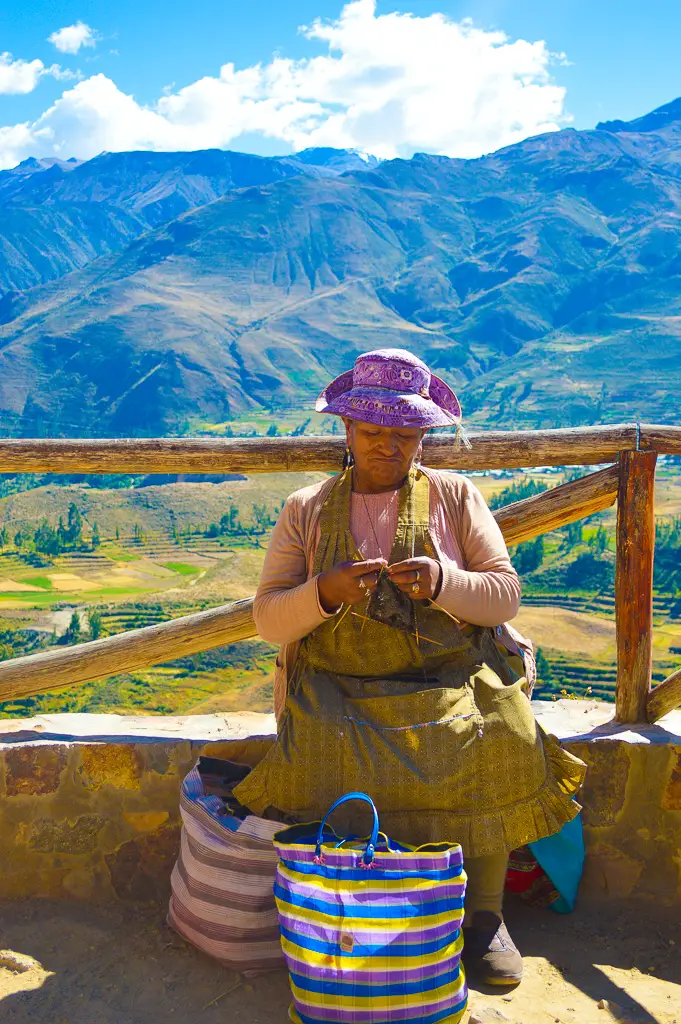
147,75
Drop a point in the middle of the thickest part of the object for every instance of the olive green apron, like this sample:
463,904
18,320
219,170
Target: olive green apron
433,725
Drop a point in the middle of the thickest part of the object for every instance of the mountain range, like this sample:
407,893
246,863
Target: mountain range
143,290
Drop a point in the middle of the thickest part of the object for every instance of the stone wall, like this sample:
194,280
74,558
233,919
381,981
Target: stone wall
89,803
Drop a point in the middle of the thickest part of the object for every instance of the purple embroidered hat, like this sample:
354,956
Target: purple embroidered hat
392,388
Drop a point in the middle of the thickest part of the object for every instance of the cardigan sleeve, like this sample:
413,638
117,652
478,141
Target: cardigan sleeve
487,591
286,606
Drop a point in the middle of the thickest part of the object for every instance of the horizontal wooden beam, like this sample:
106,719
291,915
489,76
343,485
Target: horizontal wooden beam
492,449
660,439
559,506
126,652
665,697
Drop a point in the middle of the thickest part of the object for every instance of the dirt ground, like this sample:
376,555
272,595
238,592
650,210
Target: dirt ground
74,963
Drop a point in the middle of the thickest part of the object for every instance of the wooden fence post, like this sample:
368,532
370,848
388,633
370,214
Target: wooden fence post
634,583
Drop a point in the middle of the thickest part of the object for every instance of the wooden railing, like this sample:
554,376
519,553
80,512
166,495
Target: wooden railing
632,448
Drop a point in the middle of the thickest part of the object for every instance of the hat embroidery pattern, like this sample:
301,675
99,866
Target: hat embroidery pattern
390,375
391,387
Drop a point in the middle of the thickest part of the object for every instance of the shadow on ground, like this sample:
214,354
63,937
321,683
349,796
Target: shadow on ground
117,964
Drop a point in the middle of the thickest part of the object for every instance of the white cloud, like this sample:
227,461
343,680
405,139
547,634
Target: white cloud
70,38
390,84
22,76
19,76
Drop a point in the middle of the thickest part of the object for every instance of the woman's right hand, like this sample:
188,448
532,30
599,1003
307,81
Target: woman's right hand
348,583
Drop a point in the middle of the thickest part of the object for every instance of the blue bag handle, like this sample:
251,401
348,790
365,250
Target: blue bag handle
371,845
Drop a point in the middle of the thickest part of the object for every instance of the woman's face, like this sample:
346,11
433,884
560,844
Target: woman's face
383,455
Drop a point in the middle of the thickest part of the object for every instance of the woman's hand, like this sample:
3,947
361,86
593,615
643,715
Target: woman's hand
420,578
348,583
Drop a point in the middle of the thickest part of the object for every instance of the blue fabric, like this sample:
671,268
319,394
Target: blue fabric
562,858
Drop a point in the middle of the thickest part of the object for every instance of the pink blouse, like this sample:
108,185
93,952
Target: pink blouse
373,523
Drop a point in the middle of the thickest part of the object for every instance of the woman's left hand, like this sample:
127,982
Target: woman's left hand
419,578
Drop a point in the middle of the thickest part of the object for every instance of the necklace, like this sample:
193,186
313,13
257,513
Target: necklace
366,509
371,524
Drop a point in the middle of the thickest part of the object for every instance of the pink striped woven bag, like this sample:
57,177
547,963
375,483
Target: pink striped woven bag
221,886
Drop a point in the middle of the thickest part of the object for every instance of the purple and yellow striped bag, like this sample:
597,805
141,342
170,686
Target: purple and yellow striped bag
371,931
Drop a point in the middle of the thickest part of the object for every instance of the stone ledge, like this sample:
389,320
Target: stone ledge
569,720
84,728
586,720
89,803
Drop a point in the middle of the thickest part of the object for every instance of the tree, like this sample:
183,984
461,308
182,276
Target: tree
261,518
272,430
72,634
47,540
301,428
588,572
96,540
529,556
75,525
526,488
4,538
573,534
598,542
95,623
229,522
118,533
9,640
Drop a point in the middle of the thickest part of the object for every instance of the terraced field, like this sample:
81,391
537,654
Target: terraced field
156,562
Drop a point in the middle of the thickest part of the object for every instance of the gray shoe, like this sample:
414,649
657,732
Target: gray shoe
489,954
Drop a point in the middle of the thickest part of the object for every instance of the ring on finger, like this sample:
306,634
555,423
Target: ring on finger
362,584
415,588
418,576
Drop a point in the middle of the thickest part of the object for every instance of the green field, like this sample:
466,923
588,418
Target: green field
163,553
181,568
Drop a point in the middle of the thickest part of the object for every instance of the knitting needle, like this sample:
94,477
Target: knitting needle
427,638
341,618
439,606
368,619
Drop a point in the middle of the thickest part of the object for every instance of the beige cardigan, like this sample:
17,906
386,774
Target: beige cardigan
484,590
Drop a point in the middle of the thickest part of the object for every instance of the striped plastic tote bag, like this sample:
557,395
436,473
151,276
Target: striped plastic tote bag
371,931
221,886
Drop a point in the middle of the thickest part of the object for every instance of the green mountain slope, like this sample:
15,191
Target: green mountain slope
56,216
544,281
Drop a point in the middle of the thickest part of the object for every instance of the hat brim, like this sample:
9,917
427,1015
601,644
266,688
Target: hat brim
388,408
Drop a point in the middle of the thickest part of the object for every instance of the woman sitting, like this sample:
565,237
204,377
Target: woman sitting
384,586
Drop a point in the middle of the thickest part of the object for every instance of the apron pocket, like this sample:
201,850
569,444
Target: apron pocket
406,743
